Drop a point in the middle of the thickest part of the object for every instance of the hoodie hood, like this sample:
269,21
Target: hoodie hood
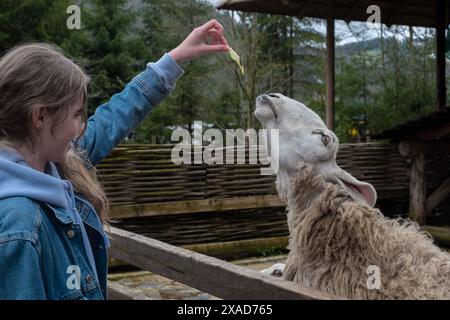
18,178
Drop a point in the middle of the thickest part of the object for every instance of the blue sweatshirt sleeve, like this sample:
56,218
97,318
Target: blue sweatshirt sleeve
114,120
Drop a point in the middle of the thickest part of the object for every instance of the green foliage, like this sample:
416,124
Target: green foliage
386,80
114,52
32,20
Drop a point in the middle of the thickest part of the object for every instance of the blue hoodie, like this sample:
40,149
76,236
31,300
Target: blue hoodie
18,178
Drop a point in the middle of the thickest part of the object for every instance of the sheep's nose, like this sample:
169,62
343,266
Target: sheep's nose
261,97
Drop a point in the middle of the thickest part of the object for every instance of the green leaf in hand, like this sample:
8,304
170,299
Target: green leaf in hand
236,58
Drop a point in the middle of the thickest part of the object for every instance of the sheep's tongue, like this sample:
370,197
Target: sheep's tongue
356,188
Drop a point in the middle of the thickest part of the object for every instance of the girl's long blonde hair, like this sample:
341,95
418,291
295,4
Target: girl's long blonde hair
38,74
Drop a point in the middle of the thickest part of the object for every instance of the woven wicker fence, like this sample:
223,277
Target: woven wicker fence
144,173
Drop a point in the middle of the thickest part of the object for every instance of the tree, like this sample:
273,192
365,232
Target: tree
113,51
203,92
31,21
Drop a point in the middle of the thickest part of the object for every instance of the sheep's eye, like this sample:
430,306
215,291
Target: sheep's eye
325,138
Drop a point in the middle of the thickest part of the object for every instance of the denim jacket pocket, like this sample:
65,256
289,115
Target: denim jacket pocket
88,291
73,295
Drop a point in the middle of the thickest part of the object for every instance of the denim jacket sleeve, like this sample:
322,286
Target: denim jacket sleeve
115,120
21,271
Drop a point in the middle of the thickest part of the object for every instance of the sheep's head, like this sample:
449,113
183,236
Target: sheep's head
303,136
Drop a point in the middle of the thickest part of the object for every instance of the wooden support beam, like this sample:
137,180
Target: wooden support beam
441,9
238,247
433,133
330,76
418,189
441,235
117,291
210,275
395,13
227,249
213,205
409,149
195,206
301,13
355,5
438,195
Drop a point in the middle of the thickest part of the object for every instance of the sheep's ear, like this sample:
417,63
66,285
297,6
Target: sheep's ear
358,190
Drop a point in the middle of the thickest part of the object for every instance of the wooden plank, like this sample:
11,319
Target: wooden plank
412,148
440,234
438,195
117,291
387,194
330,76
396,12
228,248
440,52
301,12
433,133
195,206
353,7
418,189
409,148
210,275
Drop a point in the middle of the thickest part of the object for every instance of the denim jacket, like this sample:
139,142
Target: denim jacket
42,255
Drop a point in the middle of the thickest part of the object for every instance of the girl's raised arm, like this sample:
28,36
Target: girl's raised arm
114,120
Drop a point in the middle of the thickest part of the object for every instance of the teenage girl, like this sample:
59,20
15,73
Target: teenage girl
52,209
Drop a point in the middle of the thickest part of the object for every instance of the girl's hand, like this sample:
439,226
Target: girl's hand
195,44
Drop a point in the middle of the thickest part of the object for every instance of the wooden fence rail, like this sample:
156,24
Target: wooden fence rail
210,275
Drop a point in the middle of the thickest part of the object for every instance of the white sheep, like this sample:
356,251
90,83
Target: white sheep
338,242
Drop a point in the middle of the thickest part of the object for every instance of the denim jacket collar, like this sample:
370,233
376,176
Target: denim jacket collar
60,214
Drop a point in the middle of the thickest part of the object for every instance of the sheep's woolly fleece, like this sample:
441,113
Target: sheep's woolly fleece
334,239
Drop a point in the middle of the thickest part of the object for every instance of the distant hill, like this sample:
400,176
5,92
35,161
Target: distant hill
351,48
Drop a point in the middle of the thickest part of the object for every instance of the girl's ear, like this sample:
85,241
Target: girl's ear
38,117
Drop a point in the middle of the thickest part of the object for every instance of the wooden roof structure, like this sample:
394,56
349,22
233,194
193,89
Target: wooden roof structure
420,140
423,13
429,127
407,12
